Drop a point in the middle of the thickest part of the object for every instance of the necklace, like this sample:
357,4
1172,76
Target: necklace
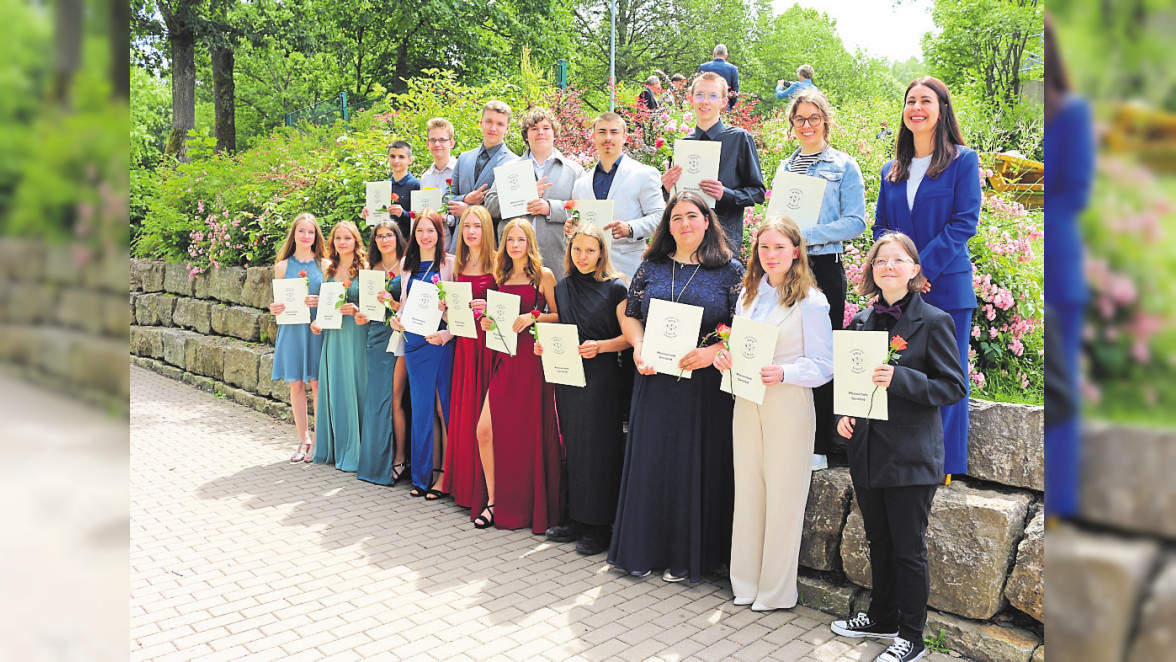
673,271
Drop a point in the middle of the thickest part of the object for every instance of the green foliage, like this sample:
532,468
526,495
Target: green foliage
936,644
150,117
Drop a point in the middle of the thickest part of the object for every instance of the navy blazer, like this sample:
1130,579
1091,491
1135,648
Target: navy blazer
907,449
943,219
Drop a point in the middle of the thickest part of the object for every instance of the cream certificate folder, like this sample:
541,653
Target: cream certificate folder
855,355
292,292
426,198
396,343
598,213
503,308
379,194
699,160
753,345
516,187
671,331
370,284
420,314
562,363
457,302
330,296
796,196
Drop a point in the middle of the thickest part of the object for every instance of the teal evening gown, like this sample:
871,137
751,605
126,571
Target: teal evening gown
343,376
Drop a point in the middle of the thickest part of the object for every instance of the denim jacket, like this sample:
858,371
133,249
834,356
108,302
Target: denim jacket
843,210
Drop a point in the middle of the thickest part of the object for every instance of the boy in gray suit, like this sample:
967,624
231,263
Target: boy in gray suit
474,174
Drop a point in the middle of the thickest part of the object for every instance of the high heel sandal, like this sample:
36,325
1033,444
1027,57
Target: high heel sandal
300,455
434,494
397,475
481,522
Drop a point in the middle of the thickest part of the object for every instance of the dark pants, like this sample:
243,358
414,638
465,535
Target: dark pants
895,519
830,275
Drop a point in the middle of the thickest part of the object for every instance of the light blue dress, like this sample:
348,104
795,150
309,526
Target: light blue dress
376,450
343,376
297,350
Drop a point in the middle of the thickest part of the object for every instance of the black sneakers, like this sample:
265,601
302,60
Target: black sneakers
570,532
901,651
861,626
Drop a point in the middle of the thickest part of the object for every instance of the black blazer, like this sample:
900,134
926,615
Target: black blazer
908,448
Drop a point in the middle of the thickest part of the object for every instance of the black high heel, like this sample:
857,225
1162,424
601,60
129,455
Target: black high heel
434,494
481,522
397,475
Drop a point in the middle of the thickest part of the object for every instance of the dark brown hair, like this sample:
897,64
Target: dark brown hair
868,288
712,252
947,135
1057,82
412,254
375,255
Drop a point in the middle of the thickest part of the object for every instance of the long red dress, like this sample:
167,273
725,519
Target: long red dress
527,446
471,377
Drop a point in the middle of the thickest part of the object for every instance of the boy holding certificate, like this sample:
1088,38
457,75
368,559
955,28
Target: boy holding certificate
897,463
399,158
740,184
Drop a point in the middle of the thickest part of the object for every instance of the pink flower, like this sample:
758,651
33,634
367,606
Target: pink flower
436,279
976,332
660,141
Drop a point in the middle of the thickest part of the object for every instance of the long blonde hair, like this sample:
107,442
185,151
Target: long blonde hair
489,246
359,255
799,278
504,264
604,268
289,245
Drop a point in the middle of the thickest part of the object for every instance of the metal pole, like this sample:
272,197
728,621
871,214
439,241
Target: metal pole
612,60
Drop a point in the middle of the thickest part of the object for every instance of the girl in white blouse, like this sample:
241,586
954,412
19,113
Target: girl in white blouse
773,442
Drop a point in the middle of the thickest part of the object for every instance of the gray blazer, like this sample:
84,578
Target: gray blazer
464,181
637,200
562,173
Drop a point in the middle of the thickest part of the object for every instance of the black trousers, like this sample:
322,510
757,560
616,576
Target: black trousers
830,275
896,527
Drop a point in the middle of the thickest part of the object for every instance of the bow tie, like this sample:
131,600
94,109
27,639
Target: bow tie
881,308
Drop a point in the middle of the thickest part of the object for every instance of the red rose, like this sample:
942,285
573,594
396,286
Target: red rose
535,314
347,283
302,273
898,344
395,197
570,204
412,215
449,181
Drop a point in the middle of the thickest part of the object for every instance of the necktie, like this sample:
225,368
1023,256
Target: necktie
881,308
480,164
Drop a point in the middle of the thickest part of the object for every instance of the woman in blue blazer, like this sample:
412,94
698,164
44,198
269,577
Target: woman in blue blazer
930,192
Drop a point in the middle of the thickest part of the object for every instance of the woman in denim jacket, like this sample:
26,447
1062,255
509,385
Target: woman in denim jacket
842,218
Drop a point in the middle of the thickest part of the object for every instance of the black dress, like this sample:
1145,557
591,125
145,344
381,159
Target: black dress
678,487
590,417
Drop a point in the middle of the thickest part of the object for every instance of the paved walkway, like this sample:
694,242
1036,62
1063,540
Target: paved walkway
235,553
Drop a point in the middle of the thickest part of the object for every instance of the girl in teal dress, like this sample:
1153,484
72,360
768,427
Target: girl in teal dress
343,370
381,452
297,350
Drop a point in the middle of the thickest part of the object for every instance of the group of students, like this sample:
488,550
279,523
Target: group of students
702,480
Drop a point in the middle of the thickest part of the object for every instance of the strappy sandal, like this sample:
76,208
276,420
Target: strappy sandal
435,494
300,455
397,475
309,455
481,522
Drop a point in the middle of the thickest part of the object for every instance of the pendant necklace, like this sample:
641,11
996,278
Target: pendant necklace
673,270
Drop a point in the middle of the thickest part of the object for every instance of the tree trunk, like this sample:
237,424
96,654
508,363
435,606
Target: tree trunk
399,85
67,48
224,99
182,37
120,51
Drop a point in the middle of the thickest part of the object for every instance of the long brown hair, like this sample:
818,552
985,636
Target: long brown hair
289,245
489,246
712,252
868,288
947,135
412,254
359,256
375,255
799,278
604,268
1057,82
504,263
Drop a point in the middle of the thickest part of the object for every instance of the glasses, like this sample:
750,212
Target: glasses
385,237
439,141
700,97
896,262
815,120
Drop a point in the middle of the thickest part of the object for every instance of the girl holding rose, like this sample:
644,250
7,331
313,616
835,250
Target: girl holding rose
343,370
517,434
772,461
897,464
297,350
429,358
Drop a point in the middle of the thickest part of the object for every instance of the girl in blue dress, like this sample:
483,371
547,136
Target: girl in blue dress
343,369
381,451
429,358
297,350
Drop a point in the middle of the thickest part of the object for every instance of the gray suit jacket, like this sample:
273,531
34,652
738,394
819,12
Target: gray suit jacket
464,180
562,173
637,200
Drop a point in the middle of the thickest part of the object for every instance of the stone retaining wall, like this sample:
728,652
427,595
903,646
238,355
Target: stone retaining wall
985,541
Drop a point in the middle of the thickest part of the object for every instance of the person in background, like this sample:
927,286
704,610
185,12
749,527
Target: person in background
726,70
474,173
884,132
803,83
648,96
